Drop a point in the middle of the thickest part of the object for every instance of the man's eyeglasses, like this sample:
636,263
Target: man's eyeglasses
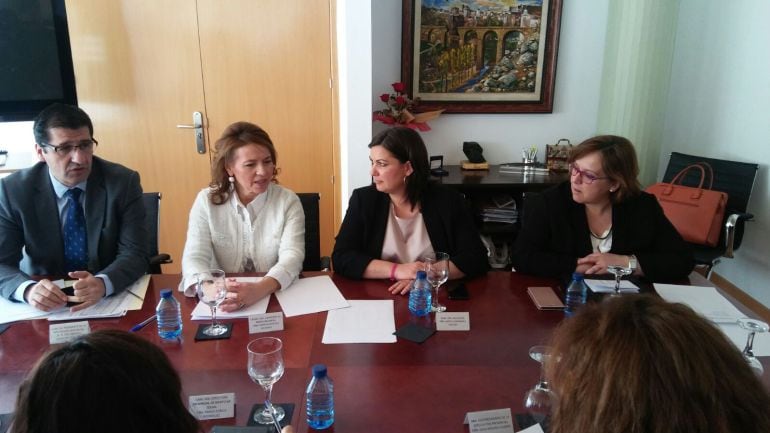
66,149
586,176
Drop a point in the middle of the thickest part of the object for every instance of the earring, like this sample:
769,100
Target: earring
405,180
612,190
231,179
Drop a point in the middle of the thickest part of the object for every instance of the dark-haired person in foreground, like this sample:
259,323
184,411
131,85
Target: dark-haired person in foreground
106,381
637,364
601,217
71,214
402,216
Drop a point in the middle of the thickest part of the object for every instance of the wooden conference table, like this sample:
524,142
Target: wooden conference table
404,386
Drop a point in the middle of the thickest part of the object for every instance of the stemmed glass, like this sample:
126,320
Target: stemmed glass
619,272
540,399
753,326
211,290
437,271
265,368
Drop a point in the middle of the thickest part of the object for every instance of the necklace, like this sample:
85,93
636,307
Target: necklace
601,238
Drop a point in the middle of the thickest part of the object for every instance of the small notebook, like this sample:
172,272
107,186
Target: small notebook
545,298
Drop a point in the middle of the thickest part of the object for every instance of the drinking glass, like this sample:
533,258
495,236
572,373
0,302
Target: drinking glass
619,272
265,368
753,326
540,399
437,271
211,290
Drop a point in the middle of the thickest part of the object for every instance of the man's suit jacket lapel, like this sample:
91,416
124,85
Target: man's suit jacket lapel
49,230
96,205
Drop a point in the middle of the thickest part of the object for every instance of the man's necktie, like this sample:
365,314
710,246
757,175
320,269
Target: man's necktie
75,241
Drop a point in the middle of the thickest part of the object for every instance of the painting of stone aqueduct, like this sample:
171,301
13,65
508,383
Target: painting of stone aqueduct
479,50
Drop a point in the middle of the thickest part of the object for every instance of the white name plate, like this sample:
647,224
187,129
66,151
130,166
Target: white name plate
490,421
212,406
455,321
64,332
266,322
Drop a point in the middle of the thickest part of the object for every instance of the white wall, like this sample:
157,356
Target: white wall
502,136
718,107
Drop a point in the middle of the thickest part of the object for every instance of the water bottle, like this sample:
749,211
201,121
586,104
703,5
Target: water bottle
169,316
420,296
576,294
320,399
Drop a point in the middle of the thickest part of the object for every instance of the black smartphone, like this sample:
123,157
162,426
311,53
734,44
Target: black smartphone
458,293
70,292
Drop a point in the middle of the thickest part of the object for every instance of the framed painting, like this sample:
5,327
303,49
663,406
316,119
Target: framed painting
481,56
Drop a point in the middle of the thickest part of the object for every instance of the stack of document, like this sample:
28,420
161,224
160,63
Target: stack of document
501,209
709,303
608,286
131,298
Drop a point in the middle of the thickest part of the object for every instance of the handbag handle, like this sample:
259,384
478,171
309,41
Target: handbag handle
702,166
563,139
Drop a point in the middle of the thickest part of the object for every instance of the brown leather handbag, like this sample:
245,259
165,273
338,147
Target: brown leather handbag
697,213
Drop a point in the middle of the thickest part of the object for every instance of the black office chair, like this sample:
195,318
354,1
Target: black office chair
313,260
152,218
734,178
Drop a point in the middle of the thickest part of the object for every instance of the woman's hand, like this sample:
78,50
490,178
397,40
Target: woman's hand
240,295
405,274
597,263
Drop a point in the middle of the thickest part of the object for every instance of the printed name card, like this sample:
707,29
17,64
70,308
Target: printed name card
212,406
490,421
266,322
64,332
455,321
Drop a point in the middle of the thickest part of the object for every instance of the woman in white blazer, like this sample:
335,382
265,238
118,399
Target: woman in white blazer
244,221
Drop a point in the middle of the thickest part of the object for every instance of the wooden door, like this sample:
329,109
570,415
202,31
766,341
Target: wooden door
269,62
139,74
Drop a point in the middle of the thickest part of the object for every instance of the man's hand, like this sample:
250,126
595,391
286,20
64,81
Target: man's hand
88,289
45,295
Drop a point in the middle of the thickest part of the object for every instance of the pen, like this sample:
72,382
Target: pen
135,295
143,324
269,407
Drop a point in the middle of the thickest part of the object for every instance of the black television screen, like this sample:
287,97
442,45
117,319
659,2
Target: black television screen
35,58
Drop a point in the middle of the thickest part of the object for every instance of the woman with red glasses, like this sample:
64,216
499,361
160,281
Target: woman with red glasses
601,217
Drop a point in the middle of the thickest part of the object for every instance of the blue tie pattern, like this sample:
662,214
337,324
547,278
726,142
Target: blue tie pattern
75,244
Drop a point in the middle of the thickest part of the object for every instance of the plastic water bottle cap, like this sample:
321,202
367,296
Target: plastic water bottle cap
577,276
421,275
319,371
166,293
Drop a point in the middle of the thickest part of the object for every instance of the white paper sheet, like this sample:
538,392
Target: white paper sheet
608,286
310,295
363,322
203,311
706,301
14,311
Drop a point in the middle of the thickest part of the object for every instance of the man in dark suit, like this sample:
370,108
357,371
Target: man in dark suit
70,214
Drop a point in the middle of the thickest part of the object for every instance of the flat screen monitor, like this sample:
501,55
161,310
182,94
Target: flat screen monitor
35,58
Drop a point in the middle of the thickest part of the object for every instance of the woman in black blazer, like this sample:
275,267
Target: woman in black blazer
600,218
390,224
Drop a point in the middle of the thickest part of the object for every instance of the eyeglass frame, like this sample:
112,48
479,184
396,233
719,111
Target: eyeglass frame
66,149
585,176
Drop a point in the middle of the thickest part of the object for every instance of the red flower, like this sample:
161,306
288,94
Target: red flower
400,100
384,97
399,87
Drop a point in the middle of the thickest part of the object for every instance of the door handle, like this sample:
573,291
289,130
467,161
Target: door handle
200,143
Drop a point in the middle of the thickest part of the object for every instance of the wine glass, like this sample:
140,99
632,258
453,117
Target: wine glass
265,368
753,326
540,399
619,272
437,271
211,290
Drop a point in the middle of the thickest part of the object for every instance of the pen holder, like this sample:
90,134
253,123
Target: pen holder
529,163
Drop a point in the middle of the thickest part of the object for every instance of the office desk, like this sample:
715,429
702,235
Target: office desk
399,387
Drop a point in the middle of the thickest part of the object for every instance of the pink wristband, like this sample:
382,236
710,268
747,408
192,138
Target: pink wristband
393,272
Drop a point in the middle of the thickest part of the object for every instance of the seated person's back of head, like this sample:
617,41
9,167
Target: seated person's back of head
639,364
